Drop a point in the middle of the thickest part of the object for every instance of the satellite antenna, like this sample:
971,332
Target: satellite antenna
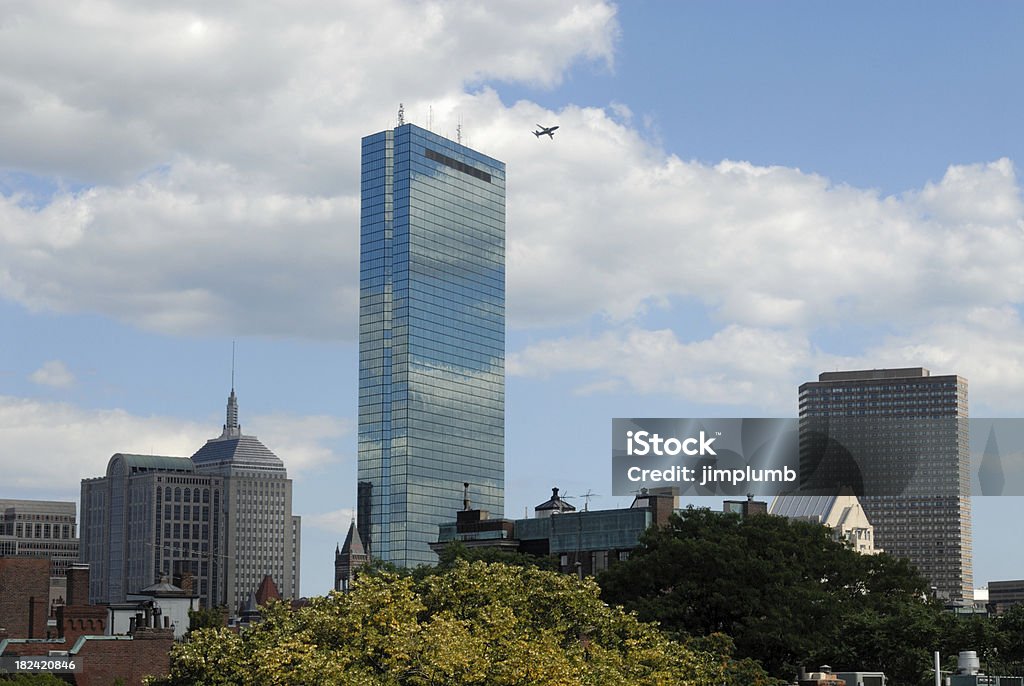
401,114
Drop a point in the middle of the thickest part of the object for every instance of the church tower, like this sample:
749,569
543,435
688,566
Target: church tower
349,559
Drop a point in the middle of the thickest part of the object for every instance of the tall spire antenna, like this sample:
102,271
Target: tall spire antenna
232,429
401,114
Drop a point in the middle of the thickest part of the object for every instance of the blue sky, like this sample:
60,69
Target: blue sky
741,195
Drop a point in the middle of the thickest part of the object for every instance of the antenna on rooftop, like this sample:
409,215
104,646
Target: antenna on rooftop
232,365
401,114
458,131
430,117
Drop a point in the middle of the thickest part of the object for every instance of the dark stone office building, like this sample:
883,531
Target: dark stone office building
898,439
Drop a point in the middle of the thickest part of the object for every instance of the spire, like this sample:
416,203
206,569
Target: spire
232,429
353,544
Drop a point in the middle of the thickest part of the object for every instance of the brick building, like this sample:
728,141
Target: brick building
24,596
77,630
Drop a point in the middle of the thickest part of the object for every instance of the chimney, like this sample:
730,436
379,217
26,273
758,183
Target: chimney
78,584
186,583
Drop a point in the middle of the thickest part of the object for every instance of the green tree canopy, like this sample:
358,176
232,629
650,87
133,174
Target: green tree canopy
786,592
475,623
456,550
207,618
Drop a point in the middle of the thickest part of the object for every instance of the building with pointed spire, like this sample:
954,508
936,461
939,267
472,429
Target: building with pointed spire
349,558
261,535
223,517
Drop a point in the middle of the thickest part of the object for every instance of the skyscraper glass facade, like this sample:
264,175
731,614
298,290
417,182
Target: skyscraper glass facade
431,338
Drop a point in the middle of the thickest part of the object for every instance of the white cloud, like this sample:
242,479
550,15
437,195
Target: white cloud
276,88
757,246
220,145
53,373
736,365
47,446
985,345
52,446
189,250
335,522
304,443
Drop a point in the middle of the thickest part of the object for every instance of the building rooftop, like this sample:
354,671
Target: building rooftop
815,507
873,374
234,449
555,503
163,589
148,463
353,543
37,506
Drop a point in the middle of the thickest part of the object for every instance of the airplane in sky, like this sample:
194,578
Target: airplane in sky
549,130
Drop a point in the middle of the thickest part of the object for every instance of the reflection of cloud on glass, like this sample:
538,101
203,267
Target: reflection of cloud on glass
990,473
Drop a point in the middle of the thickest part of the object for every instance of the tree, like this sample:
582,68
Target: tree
1010,637
41,679
786,592
475,623
207,618
456,550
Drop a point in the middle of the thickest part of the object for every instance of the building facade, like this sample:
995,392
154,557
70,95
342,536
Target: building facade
898,439
223,518
152,516
584,543
261,535
431,338
842,514
1002,595
40,528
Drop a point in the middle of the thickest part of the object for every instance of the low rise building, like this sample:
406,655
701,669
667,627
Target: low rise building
77,635
1002,595
583,542
841,513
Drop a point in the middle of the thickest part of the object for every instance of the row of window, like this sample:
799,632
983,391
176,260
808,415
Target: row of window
37,530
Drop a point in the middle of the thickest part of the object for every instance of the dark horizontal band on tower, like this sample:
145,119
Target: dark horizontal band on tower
455,164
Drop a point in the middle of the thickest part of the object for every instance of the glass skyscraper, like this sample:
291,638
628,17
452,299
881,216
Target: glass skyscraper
431,339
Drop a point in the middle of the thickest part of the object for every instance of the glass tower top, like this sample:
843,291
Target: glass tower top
431,339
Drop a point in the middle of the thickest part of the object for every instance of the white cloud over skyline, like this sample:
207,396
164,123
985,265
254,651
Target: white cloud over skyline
225,192
50,446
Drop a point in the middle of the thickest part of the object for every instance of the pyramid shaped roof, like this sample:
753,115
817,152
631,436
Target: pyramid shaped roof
353,543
